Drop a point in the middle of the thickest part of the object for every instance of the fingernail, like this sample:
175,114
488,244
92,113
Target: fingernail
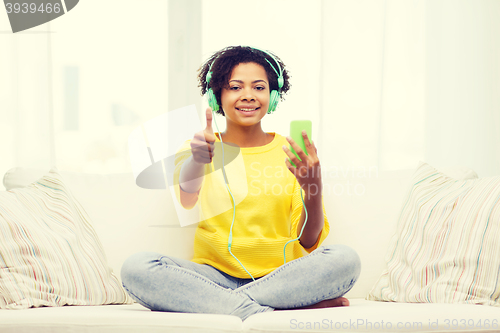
345,303
284,147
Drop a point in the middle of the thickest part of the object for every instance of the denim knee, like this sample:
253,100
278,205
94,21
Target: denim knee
135,265
345,255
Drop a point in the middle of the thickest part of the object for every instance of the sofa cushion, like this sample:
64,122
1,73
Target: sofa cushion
133,318
446,248
49,253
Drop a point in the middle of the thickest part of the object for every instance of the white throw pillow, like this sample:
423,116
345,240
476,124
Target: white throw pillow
446,248
49,252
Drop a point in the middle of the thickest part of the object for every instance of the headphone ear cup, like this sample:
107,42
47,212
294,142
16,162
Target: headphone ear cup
212,100
273,101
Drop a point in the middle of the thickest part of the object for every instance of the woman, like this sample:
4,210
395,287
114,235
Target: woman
276,211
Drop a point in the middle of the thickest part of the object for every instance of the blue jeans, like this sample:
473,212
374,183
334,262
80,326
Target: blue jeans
163,283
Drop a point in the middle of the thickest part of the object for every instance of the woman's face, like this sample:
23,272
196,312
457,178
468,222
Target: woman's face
245,100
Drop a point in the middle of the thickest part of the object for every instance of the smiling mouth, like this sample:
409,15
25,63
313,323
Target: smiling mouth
247,110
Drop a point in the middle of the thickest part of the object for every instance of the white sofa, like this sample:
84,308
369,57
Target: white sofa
362,206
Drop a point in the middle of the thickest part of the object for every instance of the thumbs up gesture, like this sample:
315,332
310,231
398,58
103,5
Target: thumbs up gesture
203,143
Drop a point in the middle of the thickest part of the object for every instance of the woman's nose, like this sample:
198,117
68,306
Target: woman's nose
247,95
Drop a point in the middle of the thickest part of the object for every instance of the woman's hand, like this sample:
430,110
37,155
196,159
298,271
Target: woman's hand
202,148
307,169
203,143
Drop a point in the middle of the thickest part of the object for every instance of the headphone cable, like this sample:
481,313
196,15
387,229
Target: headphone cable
230,239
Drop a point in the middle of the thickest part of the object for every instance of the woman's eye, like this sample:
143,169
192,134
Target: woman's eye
234,88
260,88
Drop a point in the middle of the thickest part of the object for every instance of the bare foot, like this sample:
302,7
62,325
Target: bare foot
327,303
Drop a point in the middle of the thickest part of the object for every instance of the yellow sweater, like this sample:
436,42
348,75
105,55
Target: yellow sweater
268,209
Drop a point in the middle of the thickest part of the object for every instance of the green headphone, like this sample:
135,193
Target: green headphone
275,94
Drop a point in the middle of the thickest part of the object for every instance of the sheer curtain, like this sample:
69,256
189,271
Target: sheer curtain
74,88
26,131
373,83
463,85
386,83
412,80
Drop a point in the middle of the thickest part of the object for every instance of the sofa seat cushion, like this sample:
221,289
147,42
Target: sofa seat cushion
361,316
373,316
127,318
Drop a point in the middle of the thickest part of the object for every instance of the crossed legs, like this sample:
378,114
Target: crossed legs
163,283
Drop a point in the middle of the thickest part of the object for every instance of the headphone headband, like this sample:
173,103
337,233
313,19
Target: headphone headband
280,73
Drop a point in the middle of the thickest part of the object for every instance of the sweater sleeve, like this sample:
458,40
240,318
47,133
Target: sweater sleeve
187,200
297,205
